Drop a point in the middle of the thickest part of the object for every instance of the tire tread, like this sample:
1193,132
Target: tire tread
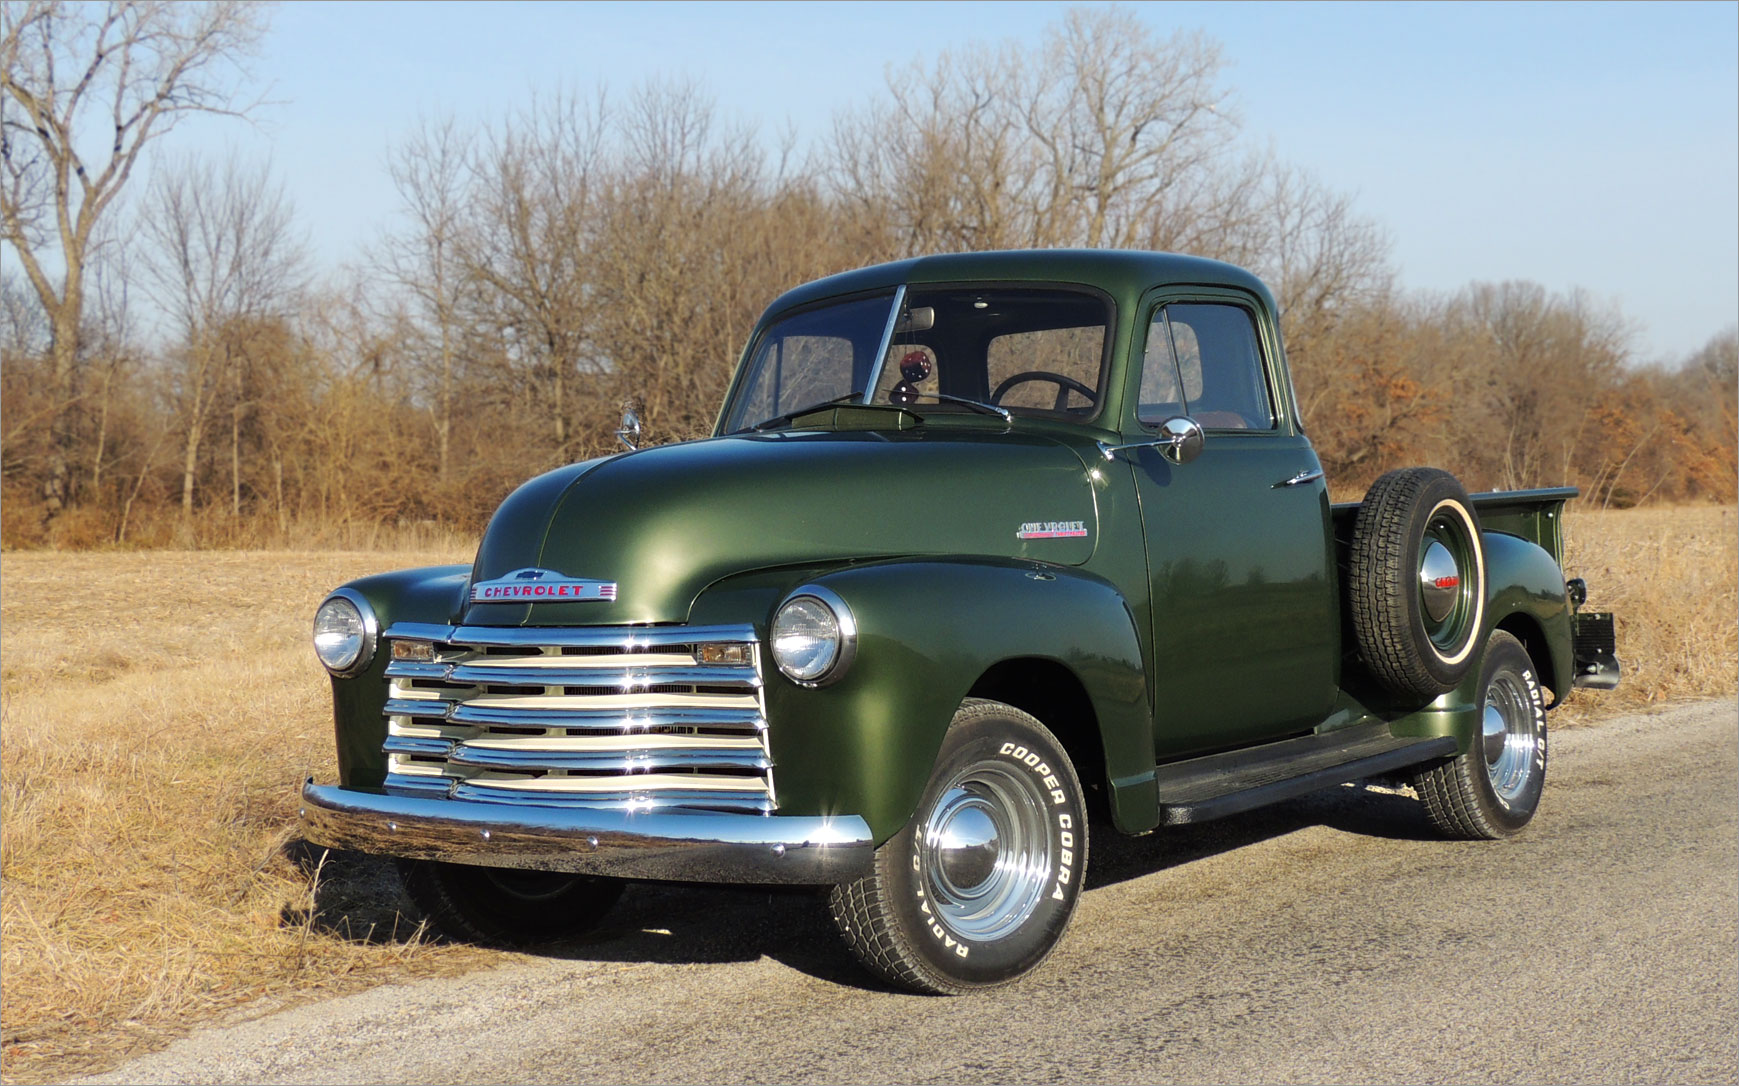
1450,791
864,920
1450,804
863,909
1377,565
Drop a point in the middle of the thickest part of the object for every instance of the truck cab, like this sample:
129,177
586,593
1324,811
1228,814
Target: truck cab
986,553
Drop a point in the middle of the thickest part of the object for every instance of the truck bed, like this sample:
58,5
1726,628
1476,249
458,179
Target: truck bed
1534,515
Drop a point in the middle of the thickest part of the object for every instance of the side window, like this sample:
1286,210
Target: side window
1161,384
1204,359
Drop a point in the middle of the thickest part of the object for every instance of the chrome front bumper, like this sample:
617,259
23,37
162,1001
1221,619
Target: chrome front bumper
676,847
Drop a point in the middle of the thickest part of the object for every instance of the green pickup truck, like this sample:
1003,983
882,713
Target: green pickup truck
987,551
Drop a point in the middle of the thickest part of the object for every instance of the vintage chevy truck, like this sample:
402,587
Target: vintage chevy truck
986,551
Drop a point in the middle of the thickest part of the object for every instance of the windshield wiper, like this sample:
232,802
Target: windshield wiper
988,408
855,399
777,420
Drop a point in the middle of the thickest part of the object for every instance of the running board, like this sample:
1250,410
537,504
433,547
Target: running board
1218,785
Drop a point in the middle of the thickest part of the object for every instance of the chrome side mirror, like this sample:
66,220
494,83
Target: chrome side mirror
629,432
1180,440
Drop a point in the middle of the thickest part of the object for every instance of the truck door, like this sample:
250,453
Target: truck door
1246,626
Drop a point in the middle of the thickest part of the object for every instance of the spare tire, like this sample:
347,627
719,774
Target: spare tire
1416,582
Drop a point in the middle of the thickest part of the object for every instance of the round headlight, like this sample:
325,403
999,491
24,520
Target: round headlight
814,636
345,631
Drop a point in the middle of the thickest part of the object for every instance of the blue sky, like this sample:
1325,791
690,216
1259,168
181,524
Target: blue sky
1592,146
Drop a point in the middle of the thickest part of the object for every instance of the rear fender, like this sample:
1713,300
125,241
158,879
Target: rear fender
1525,594
1527,585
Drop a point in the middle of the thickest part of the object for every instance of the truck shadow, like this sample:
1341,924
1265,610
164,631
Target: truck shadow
1358,808
359,898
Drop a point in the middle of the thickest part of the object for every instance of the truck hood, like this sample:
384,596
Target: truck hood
661,524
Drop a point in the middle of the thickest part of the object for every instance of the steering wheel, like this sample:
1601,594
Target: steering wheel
1064,386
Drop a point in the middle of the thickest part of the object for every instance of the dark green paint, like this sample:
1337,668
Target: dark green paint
1201,611
664,523
1241,571
1536,515
429,594
929,630
1528,587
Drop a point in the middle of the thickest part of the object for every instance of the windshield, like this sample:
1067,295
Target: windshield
811,357
1029,350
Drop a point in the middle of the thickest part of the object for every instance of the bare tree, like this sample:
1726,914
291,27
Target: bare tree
1127,119
1103,139
1543,361
431,171
684,193
23,325
1324,261
222,254
129,70
537,179
111,334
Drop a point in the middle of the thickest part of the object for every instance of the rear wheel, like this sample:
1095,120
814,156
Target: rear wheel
500,906
976,891
1493,790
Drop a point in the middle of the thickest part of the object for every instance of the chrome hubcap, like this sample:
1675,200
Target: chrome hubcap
985,855
1439,581
1511,736
967,845
1495,733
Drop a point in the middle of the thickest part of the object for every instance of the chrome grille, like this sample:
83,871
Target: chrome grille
622,717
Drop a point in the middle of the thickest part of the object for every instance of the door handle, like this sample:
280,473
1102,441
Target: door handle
1300,479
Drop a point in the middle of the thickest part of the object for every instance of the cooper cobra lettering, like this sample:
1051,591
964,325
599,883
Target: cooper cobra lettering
1065,822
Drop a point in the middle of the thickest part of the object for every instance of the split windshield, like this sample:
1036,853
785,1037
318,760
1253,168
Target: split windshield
1031,351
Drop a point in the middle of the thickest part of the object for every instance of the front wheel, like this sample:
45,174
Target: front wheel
1493,790
498,906
977,889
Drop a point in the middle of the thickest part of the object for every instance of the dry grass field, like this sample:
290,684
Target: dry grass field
1672,578
158,708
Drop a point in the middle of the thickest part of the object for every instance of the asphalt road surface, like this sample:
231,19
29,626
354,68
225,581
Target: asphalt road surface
1330,939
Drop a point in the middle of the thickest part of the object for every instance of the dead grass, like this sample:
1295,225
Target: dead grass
1671,576
158,708
157,711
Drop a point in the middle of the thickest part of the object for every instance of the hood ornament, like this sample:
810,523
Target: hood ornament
540,586
629,432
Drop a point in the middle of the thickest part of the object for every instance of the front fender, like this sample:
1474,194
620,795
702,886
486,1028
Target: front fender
432,594
927,630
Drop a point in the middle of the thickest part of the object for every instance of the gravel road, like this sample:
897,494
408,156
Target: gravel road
1330,939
